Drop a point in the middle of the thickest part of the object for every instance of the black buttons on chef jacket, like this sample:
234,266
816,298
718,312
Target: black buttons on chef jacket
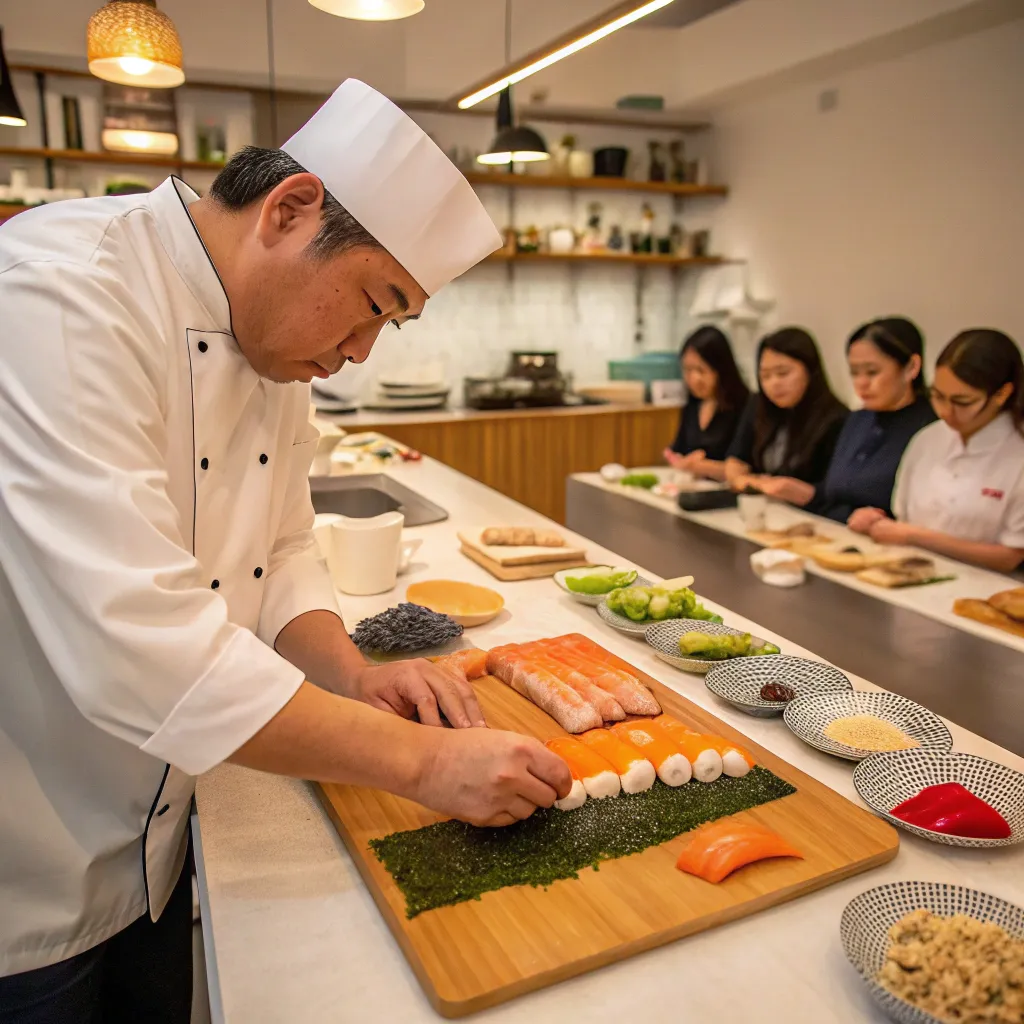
257,572
263,460
205,463
202,346
215,584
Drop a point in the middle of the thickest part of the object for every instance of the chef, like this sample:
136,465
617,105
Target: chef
162,604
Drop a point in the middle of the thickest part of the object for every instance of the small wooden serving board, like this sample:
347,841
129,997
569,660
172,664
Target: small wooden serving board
509,555
513,573
515,940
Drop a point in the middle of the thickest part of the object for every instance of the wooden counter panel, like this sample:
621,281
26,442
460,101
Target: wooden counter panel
528,459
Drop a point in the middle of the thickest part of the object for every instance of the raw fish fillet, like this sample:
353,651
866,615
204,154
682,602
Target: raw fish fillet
593,650
718,849
468,664
635,772
545,690
605,704
597,775
632,695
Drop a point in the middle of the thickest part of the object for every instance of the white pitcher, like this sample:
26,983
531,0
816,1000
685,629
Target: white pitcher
365,555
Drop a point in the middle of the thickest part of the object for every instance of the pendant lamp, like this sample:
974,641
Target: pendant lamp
130,42
10,108
370,10
512,144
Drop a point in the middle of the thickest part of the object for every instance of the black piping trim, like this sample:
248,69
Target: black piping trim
145,836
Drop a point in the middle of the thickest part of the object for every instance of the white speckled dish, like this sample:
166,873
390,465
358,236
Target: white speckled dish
664,638
739,681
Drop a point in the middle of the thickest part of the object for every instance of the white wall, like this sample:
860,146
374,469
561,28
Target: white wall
907,198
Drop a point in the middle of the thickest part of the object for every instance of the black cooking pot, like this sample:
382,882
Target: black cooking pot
610,162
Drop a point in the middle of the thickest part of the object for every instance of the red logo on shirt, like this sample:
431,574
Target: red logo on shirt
992,492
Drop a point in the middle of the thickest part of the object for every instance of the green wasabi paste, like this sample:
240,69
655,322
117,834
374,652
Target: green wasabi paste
450,861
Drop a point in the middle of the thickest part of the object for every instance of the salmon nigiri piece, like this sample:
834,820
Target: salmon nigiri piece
671,765
599,778
606,705
704,759
471,664
632,695
635,772
718,849
548,692
736,762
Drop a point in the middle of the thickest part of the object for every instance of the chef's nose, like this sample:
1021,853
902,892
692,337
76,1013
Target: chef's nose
356,347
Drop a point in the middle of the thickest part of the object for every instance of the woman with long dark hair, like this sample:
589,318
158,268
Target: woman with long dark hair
960,486
785,441
717,398
886,365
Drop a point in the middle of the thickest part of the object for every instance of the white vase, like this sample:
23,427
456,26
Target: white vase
581,164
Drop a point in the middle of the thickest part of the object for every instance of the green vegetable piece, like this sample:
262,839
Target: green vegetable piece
645,480
600,582
635,602
714,648
767,649
659,606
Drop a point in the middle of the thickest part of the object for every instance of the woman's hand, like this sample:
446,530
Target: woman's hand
674,459
864,518
685,463
785,488
890,531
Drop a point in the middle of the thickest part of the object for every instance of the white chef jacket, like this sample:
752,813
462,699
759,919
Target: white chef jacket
155,536
973,491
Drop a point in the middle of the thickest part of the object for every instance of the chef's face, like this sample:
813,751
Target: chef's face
783,380
297,315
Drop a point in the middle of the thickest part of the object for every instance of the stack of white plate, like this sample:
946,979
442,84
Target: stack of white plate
398,395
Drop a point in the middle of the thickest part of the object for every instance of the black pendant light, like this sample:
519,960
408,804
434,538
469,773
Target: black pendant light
513,143
10,108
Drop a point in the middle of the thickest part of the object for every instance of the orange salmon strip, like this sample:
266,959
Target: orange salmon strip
605,704
632,695
471,664
718,849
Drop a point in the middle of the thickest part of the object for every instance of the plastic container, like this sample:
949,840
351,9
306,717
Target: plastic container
649,366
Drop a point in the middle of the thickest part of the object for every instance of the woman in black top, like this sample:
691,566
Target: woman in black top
717,397
885,359
789,430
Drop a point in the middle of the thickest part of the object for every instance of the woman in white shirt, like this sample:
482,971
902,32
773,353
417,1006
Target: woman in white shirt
960,487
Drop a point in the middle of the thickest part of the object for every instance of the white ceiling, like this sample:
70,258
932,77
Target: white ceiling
452,43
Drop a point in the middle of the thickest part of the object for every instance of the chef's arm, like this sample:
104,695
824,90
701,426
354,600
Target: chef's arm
318,643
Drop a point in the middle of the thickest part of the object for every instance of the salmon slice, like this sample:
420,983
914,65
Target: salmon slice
597,775
669,762
633,697
468,664
604,703
635,772
704,759
718,849
545,690
592,649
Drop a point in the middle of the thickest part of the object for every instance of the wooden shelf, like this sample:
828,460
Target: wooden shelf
8,210
638,258
128,159
668,188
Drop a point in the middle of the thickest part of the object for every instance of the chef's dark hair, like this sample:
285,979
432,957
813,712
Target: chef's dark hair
713,347
812,417
252,173
986,359
899,339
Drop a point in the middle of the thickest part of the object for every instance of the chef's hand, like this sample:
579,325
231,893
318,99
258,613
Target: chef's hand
418,687
492,777
863,519
889,531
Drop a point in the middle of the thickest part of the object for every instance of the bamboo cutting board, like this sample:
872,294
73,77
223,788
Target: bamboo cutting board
482,952
507,555
514,573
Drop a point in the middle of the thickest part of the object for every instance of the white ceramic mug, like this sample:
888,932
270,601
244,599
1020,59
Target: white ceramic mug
753,510
366,555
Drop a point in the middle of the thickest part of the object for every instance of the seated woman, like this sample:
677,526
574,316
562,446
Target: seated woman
960,487
789,430
885,358
717,397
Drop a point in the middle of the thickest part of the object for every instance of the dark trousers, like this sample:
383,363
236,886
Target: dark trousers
142,975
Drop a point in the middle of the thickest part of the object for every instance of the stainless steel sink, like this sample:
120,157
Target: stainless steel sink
372,494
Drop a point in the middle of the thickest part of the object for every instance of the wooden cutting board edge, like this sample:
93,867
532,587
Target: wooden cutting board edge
366,863
539,557
517,573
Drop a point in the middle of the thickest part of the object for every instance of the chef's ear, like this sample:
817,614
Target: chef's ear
291,211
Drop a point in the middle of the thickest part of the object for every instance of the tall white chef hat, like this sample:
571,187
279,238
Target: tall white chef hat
384,169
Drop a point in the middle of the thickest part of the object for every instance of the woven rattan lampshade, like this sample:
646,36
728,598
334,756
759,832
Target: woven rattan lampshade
132,43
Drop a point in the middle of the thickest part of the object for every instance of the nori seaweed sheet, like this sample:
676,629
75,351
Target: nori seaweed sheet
450,861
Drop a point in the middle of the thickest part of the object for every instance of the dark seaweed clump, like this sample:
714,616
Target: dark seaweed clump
409,627
450,861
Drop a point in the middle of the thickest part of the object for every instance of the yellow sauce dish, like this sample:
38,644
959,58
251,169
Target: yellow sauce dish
466,603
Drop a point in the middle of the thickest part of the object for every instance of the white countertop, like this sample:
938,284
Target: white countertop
934,600
292,934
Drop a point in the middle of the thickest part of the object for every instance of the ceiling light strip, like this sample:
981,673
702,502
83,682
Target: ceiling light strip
580,43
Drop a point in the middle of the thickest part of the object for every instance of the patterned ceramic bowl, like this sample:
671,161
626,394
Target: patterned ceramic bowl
865,924
739,681
808,717
886,780
664,638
